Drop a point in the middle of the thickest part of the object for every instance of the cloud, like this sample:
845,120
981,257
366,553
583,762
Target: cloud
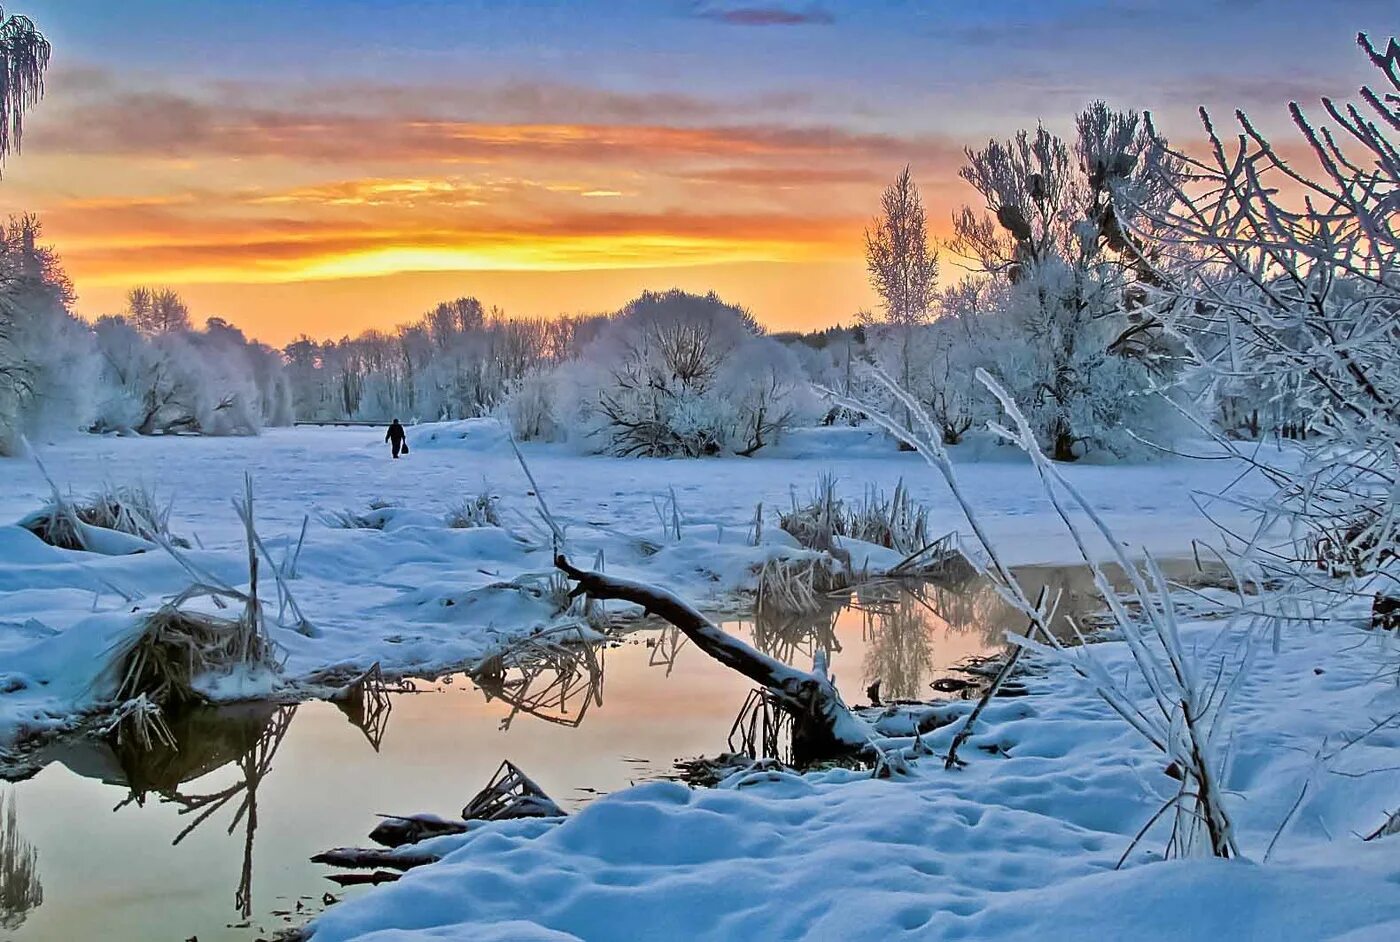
504,100
764,14
165,124
177,249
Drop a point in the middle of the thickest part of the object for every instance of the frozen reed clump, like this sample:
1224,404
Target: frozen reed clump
179,650
472,512
799,586
896,522
176,646
69,523
372,519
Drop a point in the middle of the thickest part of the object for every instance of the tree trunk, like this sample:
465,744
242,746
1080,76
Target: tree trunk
823,726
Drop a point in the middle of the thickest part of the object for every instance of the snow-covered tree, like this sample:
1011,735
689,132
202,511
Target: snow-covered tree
24,57
46,366
1071,276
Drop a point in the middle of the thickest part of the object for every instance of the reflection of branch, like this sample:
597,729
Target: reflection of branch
20,887
571,671
255,764
366,704
666,648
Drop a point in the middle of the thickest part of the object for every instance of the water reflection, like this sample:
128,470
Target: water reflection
796,639
913,633
555,676
246,736
20,889
253,766
666,700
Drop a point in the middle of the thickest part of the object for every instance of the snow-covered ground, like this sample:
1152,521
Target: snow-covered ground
1019,845
419,596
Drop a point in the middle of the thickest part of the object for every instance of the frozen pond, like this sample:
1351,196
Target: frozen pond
88,853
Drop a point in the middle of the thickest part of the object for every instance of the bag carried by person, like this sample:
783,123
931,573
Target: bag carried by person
404,449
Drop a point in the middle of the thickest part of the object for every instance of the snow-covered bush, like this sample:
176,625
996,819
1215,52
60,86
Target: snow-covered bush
766,394
677,374
1282,278
532,409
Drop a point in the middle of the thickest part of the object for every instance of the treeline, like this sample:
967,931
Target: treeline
145,371
1070,304
458,361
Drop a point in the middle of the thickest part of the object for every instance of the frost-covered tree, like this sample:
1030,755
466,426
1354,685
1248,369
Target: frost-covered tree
210,382
832,359
1283,275
46,366
24,57
1072,277
457,361
903,265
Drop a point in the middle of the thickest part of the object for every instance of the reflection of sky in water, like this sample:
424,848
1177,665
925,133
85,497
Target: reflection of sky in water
116,875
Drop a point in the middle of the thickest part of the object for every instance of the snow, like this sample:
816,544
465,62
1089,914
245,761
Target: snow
417,596
1019,845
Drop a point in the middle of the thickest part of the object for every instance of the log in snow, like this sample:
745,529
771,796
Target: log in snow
823,726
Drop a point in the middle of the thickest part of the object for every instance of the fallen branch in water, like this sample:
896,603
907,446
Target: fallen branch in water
365,858
823,726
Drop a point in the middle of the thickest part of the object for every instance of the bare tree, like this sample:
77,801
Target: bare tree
903,266
156,311
24,56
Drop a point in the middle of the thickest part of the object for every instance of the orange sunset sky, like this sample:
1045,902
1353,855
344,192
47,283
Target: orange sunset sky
325,167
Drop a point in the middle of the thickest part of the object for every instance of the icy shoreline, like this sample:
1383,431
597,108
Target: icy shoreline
1021,844
419,597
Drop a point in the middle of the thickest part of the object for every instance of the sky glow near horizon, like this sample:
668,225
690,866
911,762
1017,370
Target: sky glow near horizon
326,167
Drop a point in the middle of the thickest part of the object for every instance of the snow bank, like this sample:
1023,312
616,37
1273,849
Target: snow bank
1021,845
471,434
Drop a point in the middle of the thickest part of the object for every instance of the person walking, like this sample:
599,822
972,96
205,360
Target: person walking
397,438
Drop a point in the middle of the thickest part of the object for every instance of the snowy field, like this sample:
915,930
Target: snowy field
1021,844
419,596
